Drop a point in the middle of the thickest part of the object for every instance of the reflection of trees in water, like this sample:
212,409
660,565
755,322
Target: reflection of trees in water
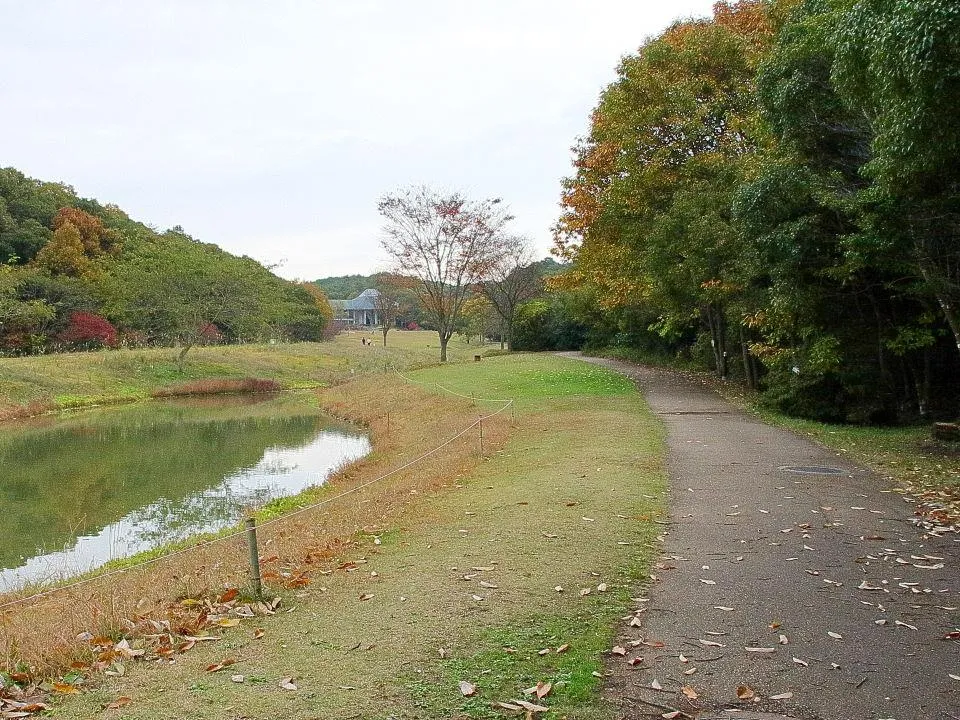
76,478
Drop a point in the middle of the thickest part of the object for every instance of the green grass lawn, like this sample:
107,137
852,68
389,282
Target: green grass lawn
71,379
568,502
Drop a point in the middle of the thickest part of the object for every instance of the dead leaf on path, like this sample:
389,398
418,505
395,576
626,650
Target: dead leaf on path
558,588
563,648
619,650
835,635
584,592
287,684
237,678
689,692
549,535
784,640
683,658
760,649
691,671
120,702
467,689
444,653
711,643
602,587
229,595
782,696
490,585
867,586
508,706
723,608
65,688
953,677
228,622
672,715
634,661
484,568
366,596
544,651
906,625
745,692
708,582
656,684
258,633
798,661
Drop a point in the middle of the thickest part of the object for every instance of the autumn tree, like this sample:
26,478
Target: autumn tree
389,301
446,244
512,279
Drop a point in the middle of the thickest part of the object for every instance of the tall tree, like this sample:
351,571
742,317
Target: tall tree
446,243
388,302
513,279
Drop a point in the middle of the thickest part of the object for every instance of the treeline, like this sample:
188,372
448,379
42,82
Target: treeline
775,192
75,274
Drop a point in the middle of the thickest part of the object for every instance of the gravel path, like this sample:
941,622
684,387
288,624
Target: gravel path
805,593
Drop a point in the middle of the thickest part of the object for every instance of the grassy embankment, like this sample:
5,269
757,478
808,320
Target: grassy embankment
572,476
907,455
51,382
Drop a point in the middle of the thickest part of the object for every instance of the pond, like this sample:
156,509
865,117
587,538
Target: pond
77,492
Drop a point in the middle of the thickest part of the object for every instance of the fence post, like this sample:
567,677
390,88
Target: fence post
254,557
481,436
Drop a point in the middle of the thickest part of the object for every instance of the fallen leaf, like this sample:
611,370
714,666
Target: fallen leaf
65,688
798,661
237,678
228,622
760,649
229,595
634,661
221,665
366,596
532,707
287,684
723,607
708,582
619,650
563,648
120,702
584,592
784,640
508,706
782,696
444,653
745,692
258,633
544,651
467,689
671,715
834,635
485,584
656,684
689,692
711,643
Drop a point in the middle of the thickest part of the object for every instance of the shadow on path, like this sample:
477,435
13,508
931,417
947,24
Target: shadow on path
809,584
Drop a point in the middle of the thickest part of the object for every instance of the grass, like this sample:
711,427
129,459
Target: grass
563,497
30,385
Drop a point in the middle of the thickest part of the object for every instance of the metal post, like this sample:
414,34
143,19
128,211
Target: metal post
254,557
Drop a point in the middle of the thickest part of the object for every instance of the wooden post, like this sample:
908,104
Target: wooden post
481,436
254,557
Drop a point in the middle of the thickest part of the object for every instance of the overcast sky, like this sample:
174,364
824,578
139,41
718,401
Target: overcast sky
271,128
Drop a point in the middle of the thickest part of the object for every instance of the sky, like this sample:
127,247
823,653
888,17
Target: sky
272,128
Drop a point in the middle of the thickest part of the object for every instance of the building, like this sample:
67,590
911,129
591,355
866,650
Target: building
361,311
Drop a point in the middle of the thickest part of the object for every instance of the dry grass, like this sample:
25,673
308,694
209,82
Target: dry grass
42,635
218,387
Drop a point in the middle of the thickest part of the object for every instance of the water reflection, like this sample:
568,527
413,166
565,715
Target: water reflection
105,485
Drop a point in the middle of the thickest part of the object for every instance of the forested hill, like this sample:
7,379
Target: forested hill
346,287
75,273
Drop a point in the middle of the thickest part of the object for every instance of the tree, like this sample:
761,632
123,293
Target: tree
388,302
512,280
447,244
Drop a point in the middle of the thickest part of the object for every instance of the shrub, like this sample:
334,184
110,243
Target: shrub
87,331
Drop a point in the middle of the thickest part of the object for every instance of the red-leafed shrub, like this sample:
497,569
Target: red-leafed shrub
88,330
412,326
219,387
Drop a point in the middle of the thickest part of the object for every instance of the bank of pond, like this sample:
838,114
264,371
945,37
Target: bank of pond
79,491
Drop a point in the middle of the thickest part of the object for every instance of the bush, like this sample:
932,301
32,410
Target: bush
88,331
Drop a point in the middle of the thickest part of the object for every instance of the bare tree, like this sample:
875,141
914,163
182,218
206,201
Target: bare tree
511,280
388,302
446,244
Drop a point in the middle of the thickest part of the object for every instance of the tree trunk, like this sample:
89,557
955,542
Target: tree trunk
943,299
386,329
444,339
182,355
749,362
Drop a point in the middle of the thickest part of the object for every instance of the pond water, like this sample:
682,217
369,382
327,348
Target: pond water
77,492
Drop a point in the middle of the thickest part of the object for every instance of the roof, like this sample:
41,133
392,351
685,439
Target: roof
364,301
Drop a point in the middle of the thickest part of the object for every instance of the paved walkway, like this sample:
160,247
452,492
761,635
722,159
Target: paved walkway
809,585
